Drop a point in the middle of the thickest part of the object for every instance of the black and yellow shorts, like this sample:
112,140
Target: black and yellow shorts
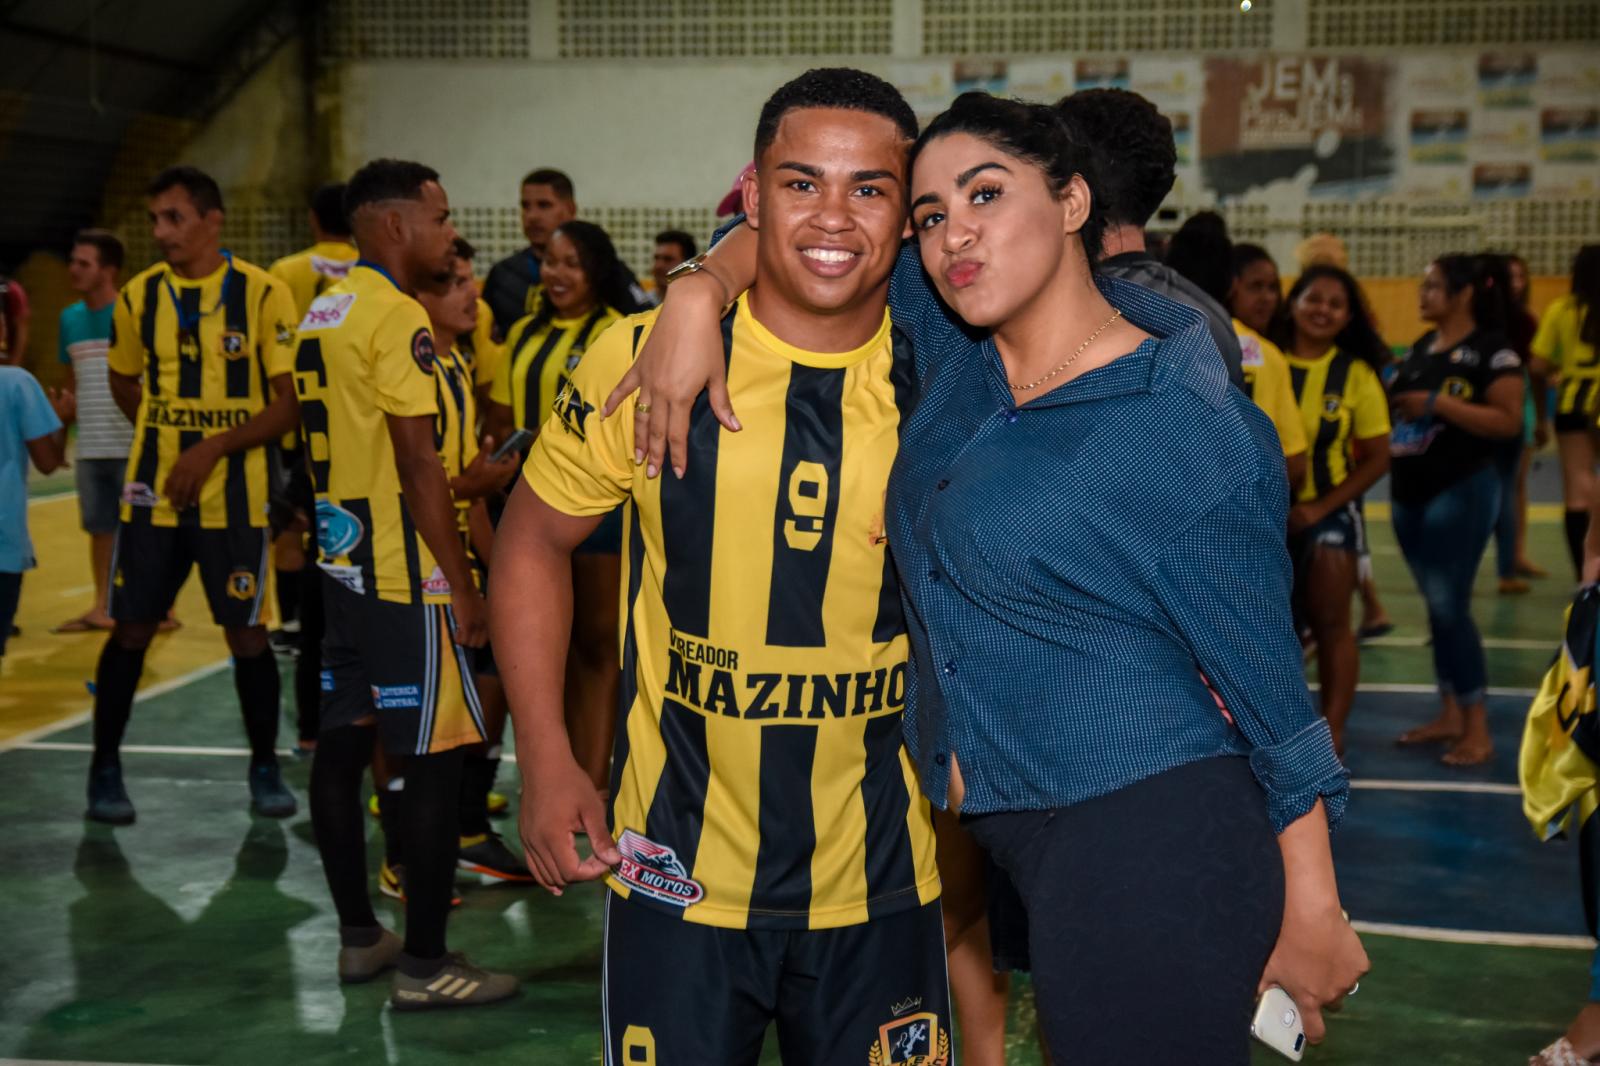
400,663
149,565
1577,402
874,993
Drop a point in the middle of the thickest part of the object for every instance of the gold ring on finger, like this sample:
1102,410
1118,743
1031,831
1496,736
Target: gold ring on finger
642,407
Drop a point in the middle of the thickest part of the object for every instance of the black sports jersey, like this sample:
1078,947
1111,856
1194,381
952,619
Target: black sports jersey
1429,453
512,289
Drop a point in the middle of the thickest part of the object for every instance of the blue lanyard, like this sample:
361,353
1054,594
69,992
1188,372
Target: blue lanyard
370,265
188,323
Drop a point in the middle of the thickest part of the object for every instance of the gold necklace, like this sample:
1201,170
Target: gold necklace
1086,342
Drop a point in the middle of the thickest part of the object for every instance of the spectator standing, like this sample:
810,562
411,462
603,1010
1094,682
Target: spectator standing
1457,399
1511,528
32,427
1564,350
104,432
14,316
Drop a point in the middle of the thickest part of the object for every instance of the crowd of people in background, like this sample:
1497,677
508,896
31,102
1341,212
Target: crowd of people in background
240,419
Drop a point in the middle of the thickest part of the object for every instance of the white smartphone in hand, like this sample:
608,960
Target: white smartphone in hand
1277,1024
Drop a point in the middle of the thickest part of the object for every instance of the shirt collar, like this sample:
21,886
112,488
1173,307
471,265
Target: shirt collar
1175,330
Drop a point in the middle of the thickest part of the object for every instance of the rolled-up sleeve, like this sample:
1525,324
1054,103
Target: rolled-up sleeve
1225,585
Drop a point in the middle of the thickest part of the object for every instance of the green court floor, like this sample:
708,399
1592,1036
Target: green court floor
204,936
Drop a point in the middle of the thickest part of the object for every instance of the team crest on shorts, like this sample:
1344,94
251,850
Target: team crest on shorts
915,1040
242,585
656,871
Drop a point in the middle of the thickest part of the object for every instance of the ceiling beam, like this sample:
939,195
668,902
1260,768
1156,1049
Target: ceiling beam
83,44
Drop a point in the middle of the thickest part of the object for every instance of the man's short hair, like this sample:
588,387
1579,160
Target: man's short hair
201,187
386,179
1138,159
553,178
839,87
464,250
107,245
680,238
327,204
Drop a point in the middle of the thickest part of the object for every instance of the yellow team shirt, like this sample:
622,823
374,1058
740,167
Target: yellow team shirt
455,427
1559,340
205,350
1341,401
1266,381
311,272
365,351
540,354
483,354
760,780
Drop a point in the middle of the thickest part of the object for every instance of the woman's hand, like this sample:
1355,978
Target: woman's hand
1303,516
1318,961
1411,406
681,358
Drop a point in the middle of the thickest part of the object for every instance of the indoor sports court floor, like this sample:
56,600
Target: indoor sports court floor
202,935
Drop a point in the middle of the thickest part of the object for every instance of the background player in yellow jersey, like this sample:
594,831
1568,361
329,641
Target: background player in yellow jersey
200,360
402,603
312,271
1331,346
1566,345
587,288
767,833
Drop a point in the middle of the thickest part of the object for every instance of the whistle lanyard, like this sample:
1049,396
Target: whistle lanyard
190,322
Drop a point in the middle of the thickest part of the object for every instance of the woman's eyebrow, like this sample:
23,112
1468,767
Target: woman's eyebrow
967,175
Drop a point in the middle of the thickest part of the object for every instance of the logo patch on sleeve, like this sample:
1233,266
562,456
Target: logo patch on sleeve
656,871
1505,359
422,351
573,409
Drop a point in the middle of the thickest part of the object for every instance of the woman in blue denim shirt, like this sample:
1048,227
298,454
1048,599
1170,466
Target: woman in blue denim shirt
1075,498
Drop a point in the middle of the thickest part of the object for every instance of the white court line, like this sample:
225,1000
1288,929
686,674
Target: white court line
65,1062
49,497
1476,936
22,740
1501,643
1429,690
1489,788
142,749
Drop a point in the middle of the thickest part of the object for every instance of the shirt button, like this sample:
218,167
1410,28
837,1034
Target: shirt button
933,575
943,484
1011,418
939,759
950,667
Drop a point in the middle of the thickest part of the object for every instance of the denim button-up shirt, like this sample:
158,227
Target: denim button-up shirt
1072,567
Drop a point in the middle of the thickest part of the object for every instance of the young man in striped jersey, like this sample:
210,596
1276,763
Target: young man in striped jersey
200,360
766,831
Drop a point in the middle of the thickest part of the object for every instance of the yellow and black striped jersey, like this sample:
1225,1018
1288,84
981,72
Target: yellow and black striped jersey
205,350
1266,381
539,357
365,352
455,426
311,272
1341,401
1559,339
483,354
760,780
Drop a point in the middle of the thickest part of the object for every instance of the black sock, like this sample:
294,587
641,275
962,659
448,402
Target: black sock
1577,528
288,596
429,840
391,815
478,771
308,668
115,680
256,680
339,822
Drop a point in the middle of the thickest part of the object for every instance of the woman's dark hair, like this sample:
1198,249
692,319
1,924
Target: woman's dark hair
1586,289
611,281
1246,254
1358,338
1490,279
1033,133
1202,252
1133,140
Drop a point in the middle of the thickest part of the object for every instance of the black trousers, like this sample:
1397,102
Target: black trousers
1151,912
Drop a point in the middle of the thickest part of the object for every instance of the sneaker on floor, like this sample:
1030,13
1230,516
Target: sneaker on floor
1514,586
269,797
1561,1053
487,854
457,983
363,964
1374,631
285,645
108,800
498,805
392,882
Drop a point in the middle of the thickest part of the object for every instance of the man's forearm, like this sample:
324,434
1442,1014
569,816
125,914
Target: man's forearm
433,511
127,392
